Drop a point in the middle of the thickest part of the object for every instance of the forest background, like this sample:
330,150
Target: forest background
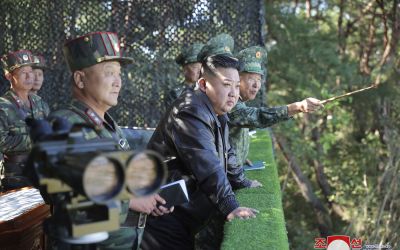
339,168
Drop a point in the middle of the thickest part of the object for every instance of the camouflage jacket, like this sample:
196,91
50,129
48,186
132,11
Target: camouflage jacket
78,112
242,118
14,133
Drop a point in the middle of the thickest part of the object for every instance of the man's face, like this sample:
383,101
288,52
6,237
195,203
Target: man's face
102,83
222,89
22,78
250,83
38,79
192,72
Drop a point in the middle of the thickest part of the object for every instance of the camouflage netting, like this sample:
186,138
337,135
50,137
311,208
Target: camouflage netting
152,32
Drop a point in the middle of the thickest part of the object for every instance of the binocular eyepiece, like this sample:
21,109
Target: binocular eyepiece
86,180
103,176
97,168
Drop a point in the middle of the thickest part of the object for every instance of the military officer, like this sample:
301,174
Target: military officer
187,59
16,105
241,117
38,72
95,61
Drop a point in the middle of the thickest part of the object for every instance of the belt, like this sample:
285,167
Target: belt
20,158
135,219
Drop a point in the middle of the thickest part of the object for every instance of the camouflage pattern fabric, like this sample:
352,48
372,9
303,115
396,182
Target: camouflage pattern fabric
253,59
14,133
222,44
189,54
242,118
123,239
78,112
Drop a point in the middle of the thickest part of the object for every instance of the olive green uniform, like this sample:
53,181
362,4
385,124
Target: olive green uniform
78,112
242,118
187,55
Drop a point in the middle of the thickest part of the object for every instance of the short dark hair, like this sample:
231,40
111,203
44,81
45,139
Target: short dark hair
209,64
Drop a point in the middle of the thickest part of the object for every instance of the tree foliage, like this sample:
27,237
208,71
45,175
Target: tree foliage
345,157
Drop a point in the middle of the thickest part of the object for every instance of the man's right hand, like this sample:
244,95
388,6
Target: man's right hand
308,105
242,213
160,209
144,204
148,205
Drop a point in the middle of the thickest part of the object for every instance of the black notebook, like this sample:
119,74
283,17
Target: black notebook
174,193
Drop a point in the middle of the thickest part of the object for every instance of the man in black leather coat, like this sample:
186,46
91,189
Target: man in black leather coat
195,134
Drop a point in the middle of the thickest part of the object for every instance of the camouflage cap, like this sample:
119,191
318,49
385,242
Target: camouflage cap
17,59
253,59
221,44
40,62
189,54
93,48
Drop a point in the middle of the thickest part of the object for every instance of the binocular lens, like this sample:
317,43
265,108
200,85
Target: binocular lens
102,179
141,173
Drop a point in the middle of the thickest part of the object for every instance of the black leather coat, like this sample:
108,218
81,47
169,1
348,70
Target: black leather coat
198,139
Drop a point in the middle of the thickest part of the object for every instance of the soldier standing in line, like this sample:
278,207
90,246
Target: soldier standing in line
38,72
95,62
16,105
187,59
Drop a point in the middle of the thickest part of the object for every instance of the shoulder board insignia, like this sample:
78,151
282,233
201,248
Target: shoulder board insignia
94,117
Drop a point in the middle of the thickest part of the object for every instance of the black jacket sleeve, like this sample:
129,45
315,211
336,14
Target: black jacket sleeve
195,142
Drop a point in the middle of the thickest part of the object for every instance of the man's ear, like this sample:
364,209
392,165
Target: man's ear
78,79
8,76
202,84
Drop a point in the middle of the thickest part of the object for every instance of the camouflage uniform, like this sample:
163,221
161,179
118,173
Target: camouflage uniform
242,118
188,55
15,142
42,66
80,53
78,112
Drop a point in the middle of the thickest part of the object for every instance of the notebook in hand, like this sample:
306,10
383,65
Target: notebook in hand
174,193
255,166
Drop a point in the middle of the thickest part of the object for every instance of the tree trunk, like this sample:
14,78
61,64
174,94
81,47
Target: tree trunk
321,176
308,8
322,214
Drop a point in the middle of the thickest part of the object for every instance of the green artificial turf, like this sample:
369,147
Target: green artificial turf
268,230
